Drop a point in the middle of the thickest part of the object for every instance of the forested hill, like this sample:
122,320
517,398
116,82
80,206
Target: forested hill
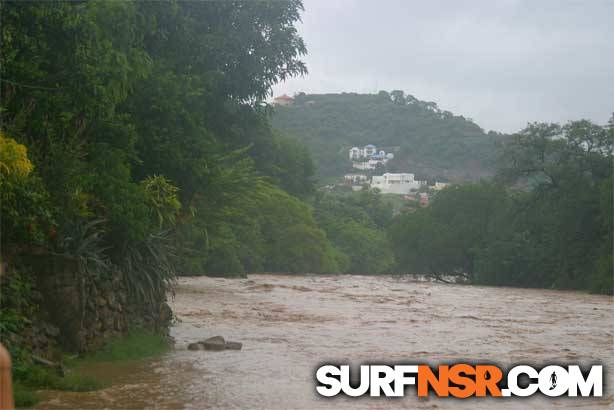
432,143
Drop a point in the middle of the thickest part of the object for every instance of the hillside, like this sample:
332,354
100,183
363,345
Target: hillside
427,141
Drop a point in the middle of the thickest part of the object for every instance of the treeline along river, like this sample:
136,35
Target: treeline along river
290,325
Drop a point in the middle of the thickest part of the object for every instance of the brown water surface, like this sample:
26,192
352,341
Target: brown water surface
291,324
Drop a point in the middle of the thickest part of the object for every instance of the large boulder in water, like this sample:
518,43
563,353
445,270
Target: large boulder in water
214,343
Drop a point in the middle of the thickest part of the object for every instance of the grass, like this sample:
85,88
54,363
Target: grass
24,396
136,345
43,378
28,378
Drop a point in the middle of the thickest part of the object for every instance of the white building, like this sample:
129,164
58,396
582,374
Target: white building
368,165
365,152
396,183
355,153
355,179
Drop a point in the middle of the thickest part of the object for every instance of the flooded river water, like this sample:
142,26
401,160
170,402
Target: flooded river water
291,324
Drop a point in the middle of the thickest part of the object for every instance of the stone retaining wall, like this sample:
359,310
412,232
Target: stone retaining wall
80,312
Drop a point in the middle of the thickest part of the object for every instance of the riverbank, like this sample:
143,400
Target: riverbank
56,317
290,324
77,373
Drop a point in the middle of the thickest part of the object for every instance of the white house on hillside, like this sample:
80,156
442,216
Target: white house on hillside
396,183
365,152
368,157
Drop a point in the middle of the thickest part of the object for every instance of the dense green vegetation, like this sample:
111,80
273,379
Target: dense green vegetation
545,221
432,143
356,225
146,143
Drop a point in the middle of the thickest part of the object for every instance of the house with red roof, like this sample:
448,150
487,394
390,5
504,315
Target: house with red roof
283,100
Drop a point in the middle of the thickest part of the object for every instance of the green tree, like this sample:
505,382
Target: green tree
355,225
546,221
443,238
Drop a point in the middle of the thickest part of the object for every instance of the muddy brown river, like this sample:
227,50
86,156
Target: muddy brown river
289,325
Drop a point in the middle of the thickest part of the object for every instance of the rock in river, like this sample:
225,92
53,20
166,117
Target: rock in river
233,345
214,343
196,346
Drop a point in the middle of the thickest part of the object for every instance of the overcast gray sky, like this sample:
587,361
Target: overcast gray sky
502,63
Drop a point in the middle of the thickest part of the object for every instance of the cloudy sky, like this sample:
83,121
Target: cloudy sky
503,63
